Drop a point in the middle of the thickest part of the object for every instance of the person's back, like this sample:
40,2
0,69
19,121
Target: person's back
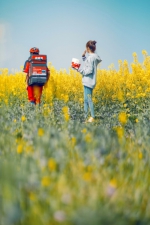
37,75
89,73
90,70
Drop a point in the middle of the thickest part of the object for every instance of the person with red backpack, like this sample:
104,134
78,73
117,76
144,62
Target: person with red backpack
38,75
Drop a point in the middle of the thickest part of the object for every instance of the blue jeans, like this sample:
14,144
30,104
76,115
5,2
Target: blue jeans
88,103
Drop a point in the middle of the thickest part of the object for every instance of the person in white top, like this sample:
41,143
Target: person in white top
89,73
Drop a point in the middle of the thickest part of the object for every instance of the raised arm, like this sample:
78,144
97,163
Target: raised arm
83,56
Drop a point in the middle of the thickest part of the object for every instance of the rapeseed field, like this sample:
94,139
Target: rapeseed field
55,169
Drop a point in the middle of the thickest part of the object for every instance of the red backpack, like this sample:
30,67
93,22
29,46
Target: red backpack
38,72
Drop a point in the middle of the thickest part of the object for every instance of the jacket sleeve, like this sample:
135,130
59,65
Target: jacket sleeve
83,58
98,60
88,68
26,67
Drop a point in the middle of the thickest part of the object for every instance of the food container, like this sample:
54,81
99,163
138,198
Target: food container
75,63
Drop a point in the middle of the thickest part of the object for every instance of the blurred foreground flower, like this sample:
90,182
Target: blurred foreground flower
23,118
136,120
84,130
120,131
45,181
88,137
40,132
140,155
87,176
113,183
20,149
123,118
73,141
66,113
52,164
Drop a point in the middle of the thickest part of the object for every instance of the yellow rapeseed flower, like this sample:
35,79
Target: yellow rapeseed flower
120,96
23,118
87,176
140,155
122,118
66,116
29,149
6,101
84,130
65,109
134,54
20,149
66,113
52,164
73,141
88,137
144,52
113,183
120,131
40,132
45,181
66,98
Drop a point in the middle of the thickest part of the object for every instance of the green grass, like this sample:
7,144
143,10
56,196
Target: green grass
95,176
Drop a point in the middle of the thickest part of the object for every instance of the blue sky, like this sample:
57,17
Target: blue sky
61,28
